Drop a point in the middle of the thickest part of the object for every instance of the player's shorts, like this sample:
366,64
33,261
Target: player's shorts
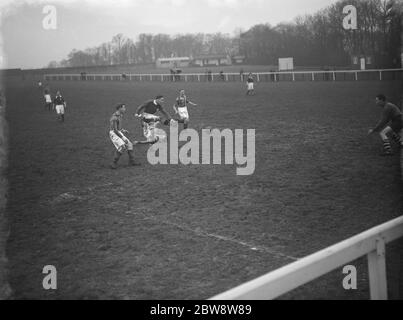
151,132
397,124
149,118
183,113
250,86
59,109
120,143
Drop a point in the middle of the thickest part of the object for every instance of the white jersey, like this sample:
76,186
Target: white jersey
48,98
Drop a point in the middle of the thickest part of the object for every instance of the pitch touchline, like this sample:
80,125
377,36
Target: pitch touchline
200,232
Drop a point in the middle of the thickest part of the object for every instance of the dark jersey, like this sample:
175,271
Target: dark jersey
250,80
115,123
151,107
390,114
58,100
181,102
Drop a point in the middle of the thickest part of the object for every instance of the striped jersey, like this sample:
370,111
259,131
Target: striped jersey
58,100
115,123
181,102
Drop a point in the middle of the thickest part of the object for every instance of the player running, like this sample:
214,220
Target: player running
60,106
146,112
389,125
181,109
250,84
118,138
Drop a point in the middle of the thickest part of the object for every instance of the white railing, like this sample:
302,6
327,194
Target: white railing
371,243
325,75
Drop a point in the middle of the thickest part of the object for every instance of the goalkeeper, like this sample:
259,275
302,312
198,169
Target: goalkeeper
390,124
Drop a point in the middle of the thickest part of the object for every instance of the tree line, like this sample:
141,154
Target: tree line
148,48
313,40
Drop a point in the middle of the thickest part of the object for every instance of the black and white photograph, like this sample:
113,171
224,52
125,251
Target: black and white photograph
201,150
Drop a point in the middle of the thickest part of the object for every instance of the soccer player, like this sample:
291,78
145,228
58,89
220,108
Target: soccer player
181,108
117,136
60,106
146,112
48,99
250,84
389,125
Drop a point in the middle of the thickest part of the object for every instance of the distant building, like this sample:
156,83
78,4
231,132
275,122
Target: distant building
177,62
212,60
286,64
238,59
362,62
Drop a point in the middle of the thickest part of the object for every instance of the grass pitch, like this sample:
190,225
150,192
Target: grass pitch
190,232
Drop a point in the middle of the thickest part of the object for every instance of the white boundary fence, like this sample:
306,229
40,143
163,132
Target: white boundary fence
371,243
339,75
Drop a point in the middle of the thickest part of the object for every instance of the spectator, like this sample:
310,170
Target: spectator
241,74
172,75
272,75
177,75
209,75
222,77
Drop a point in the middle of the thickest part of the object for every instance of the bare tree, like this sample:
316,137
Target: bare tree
313,40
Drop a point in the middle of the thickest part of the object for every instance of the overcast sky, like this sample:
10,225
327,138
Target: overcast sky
86,23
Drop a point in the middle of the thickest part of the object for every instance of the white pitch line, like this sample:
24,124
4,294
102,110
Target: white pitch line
200,232
196,231
76,193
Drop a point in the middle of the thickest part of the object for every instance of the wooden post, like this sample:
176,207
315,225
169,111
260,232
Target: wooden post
377,272
334,76
313,76
356,76
371,243
380,75
293,76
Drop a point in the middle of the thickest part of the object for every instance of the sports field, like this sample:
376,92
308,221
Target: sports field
190,232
